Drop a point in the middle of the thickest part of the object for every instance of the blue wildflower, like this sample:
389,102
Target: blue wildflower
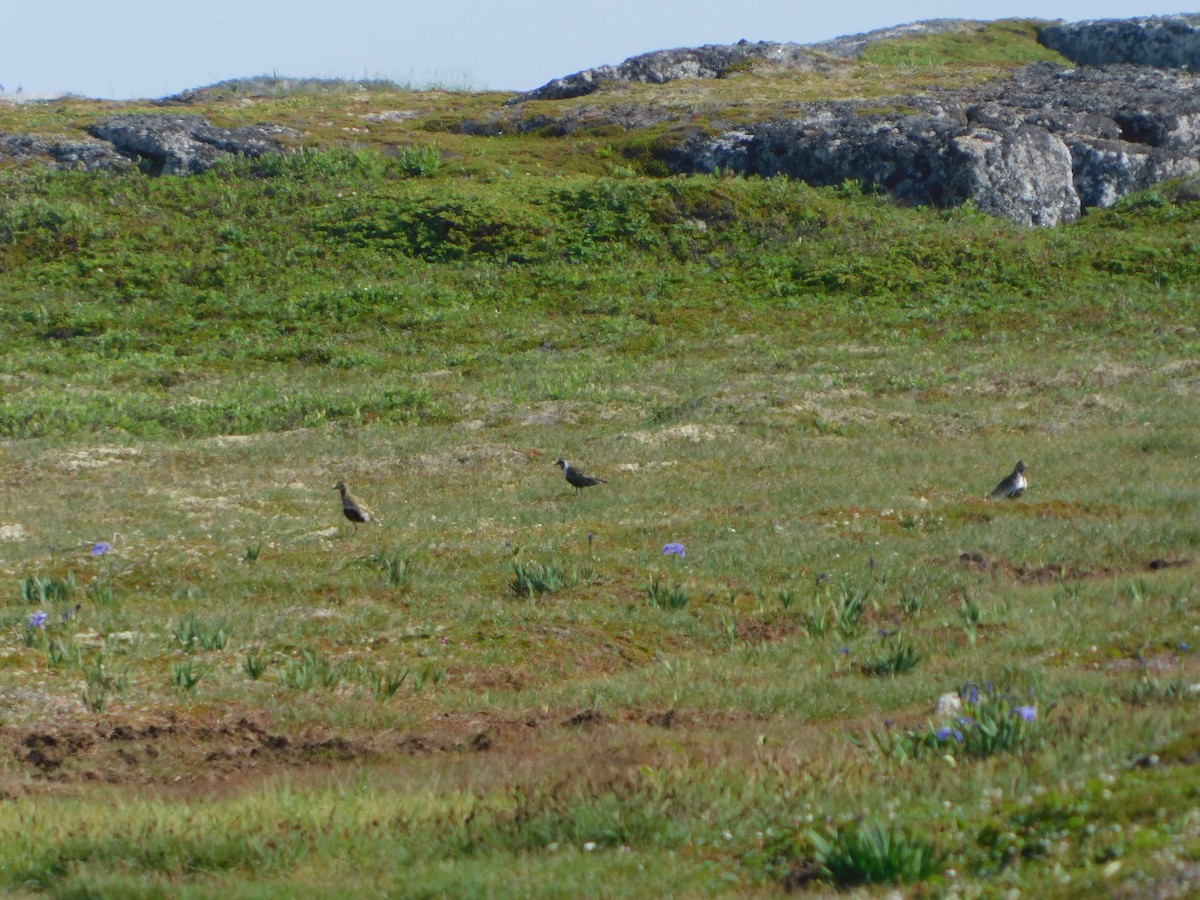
965,721
100,548
844,650
944,734
1183,645
972,694
1028,713
37,619
674,549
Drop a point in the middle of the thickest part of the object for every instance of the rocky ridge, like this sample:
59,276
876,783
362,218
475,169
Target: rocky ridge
160,145
1038,147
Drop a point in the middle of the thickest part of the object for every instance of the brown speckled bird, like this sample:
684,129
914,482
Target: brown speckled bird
354,510
577,479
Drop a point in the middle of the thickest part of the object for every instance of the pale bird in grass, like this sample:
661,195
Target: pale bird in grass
354,510
575,478
1014,485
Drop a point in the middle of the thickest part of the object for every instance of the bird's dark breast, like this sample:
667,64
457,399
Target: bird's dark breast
354,515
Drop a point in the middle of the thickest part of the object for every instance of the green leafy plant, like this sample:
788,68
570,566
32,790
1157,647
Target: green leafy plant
870,853
47,590
310,671
189,633
664,596
384,686
254,664
990,724
534,579
899,658
63,653
187,675
396,567
430,674
849,609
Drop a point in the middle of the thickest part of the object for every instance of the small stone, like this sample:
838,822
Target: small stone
947,705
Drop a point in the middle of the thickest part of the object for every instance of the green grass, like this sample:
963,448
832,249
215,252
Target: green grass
811,389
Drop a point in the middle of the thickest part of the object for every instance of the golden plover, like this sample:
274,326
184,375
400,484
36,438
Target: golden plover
577,479
1014,485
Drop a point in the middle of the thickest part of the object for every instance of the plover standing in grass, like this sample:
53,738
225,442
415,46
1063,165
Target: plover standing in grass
1014,485
575,478
354,510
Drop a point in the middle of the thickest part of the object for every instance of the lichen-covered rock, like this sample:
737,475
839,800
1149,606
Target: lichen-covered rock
715,60
63,152
1036,148
183,145
1023,174
1164,42
661,66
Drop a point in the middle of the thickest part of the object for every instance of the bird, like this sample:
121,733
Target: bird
354,510
1014,485
577,479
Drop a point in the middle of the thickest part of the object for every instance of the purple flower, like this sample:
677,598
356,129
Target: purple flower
972,694
883,632
37,619
674,549
844,650
1183,645
944,734
965,721
100,548
1028,713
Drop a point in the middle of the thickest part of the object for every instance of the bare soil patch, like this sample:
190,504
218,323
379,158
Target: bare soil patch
1025,574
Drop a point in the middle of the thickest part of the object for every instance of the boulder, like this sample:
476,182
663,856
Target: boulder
716,60
185,145
1164,42
661,66
1037,148
63,152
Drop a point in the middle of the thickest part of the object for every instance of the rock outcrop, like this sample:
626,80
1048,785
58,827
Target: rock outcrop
161,145
1164,42
716,60
1036,148
185,145
64,152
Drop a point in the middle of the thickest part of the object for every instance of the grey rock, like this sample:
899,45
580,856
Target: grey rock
1165,42
661,66
184,145
63,152
852,46
1023,174
1037,148
715,60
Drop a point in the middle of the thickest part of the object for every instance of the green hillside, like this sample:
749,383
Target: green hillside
505,689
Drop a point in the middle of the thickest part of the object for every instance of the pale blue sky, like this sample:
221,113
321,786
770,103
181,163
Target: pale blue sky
151,48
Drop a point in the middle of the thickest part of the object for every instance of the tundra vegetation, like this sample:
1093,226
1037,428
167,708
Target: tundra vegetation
211,684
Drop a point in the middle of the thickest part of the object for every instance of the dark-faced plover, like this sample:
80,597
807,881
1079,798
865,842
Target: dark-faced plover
1014,485
354,510
575,478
